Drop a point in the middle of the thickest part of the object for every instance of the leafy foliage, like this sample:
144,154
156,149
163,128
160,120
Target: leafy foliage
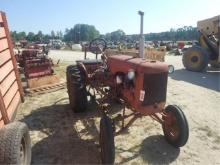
81,32
84,32
32,37
185,33
115,36
18,35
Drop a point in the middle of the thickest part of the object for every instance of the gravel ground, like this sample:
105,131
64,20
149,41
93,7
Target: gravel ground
61,137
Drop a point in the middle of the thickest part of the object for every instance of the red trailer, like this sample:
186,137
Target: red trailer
15,145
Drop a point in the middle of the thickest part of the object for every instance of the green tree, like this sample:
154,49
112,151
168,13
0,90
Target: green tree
16,36
117,35
46,38
53,34
39,36
81,32
184,33
30,36
21,35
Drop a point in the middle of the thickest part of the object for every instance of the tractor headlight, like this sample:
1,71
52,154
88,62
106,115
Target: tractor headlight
131,74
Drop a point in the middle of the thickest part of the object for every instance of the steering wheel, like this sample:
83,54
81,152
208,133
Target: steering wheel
97,46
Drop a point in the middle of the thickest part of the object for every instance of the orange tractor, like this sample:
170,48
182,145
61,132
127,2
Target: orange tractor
140,85
137,83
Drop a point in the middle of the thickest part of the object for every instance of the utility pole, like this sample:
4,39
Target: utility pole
218,40
141,41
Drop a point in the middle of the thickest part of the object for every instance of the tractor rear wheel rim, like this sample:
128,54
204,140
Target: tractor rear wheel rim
172,127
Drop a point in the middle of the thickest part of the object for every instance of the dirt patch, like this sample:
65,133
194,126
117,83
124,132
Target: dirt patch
60,69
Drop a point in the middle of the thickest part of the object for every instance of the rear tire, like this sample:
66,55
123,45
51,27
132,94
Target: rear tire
106,140
175,126
15,144
196,59
76,88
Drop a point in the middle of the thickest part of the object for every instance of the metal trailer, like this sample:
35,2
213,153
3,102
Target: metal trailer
15,145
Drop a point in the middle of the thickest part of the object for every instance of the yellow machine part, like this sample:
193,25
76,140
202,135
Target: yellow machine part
202,42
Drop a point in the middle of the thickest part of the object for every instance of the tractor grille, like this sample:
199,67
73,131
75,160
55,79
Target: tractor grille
155,87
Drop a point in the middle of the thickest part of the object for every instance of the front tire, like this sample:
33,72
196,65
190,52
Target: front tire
106,140
175,126
195,59
15,144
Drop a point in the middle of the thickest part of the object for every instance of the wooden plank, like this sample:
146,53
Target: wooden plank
153,54
5,85
1,123
4,56
13,56
42,81
0,117
5,70
3,44
1,20
3,110
14,105
10,94
2,32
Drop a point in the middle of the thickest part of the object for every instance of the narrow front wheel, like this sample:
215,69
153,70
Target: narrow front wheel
175,126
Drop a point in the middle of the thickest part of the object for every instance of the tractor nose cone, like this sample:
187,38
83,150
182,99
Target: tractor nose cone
171,69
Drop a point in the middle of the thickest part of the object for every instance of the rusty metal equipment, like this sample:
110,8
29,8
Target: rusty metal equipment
207,51
137,83
15,147
37,66
35,63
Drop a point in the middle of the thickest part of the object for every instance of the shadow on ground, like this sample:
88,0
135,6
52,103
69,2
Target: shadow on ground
156,150
56,138
209,79
153,150
60,136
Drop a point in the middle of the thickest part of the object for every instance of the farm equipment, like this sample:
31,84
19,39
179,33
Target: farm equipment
140,85
37,67
15,147
206,52
35,63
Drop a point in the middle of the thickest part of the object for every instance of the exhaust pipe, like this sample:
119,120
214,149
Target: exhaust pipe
219,40
218,50
141,41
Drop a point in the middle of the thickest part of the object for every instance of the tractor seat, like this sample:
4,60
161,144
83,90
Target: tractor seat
90,62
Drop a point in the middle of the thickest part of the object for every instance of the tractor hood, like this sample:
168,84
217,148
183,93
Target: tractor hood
123,63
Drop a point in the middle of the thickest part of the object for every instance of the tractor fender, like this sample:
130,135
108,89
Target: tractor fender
83,69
